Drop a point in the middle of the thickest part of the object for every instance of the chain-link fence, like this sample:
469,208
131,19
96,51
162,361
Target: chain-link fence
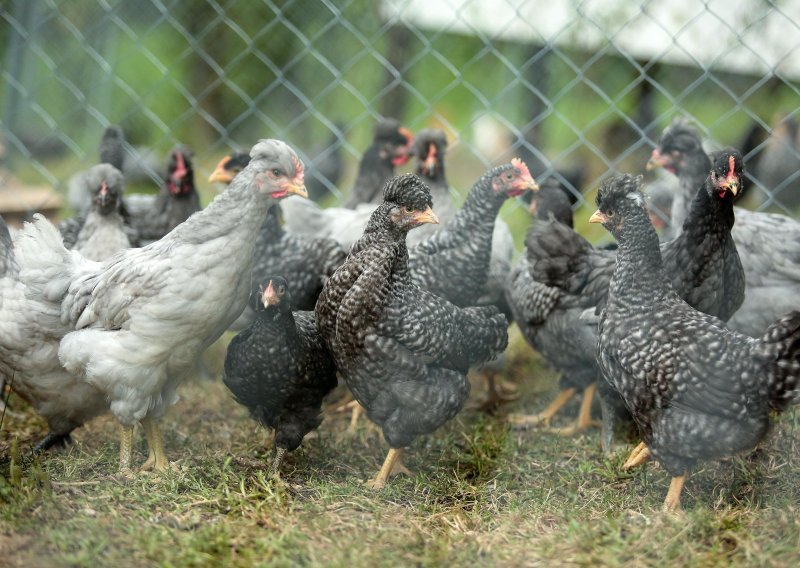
576,88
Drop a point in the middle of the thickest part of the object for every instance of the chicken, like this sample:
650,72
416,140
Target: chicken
101,232
30,332
550,320
454,263
139,321
153,216
702,262
779,163
390,147
696,389
403,351
280,369
112,152
768,244
306,262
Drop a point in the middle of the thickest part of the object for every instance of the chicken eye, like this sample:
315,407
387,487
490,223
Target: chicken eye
281,290
609,214
509,176
276,172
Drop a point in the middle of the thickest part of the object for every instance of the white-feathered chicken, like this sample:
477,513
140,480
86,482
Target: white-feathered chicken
30,332
102,232
141,319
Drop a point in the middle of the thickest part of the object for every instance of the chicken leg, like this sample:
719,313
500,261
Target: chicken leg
277,460
125,449
497,393
672,504
156,459
547,414
638,456
392,465
584,420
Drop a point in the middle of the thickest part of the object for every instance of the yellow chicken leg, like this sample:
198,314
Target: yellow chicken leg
392,465
156,459
547,414
672,504
125,449
639,455
584,420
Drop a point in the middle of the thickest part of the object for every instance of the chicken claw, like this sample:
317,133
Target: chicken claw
584,420
156,459
546,415
392,465
497,393
672,504
638,456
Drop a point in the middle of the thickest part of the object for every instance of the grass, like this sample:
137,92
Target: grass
482,493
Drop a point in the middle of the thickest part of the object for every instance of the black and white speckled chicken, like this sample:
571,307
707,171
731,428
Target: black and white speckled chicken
280,369
305,262
551,322
403,351
139,321
454,263
768,244
153,216
702,262
102,231
696,389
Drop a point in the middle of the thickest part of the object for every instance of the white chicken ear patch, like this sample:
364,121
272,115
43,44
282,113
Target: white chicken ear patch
637,197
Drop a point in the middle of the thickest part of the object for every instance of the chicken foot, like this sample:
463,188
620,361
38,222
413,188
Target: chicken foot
277,459
392,465
497,393
672,504
638,456
125,449
547,414
156,459
584,420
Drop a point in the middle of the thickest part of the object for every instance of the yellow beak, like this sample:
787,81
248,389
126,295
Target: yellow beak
297,189
427,216
597,217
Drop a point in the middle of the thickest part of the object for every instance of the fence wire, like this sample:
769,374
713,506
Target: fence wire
576,88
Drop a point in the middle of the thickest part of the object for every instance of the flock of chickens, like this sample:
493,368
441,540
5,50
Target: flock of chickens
398,293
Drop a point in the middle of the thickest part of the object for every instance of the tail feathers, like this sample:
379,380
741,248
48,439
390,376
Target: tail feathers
554,250
782,344
47,268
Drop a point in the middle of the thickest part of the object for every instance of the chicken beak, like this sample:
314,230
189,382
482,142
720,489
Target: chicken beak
269,297
598,217
297,189
427,216
220,174
732,185
103,194
657,160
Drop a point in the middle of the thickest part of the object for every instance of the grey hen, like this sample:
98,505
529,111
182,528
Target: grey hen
112,152
139,321
153,216
30,332
696,389
768,244
102,231
280,369
403,351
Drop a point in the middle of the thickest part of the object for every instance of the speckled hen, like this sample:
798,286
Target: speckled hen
403,351
696,389
102,232
139,321
702,262
280,369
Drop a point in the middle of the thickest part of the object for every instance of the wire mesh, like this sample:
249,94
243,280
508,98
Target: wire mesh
576,88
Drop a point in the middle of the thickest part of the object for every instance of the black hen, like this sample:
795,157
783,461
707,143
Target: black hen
280,369
454,263
768,244
391,147
403,352
102,231
430,150
153,216
695,389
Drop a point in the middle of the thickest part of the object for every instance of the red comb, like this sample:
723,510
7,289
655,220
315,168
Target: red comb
522,168
299,174
731,166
